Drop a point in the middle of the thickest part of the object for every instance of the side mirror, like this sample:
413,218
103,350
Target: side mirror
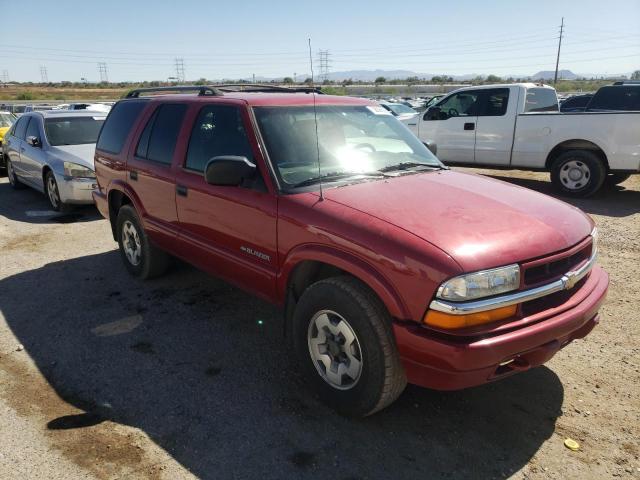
433,148
228,170
33,141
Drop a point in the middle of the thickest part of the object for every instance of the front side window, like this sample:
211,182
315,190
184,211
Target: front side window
541,100
72,130
32,129
462,104
21,127
218,131
351,140
159,137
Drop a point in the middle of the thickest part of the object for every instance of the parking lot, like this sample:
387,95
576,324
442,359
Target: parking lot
105,376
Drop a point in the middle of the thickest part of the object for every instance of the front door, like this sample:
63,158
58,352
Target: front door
228,230
32,158
453,123
494,127
151,175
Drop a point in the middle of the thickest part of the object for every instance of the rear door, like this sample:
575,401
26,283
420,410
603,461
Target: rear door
495,126
150,173
452,124
228,230
14,143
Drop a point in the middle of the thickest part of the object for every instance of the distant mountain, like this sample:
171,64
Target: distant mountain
371,75
549,75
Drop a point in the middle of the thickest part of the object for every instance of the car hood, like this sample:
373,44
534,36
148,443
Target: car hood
80,154
3,130
479,221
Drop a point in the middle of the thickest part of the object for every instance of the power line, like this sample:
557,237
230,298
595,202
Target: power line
555,77
43,74
102,69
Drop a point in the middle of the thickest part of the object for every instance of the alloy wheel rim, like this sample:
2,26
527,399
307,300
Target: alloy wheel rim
575,175
335,350
52,191
131,243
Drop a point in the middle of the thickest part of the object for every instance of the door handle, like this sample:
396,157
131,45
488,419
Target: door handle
133,175
469,126
181,190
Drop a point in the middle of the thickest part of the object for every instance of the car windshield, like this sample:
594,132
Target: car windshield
400,109
351,140
6,119
72,130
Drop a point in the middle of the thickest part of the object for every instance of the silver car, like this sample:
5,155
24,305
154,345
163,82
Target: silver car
52,151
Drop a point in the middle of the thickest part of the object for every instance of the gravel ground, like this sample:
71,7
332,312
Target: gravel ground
103,376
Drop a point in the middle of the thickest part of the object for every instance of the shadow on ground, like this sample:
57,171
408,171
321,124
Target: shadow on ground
201,368
611,201
30,206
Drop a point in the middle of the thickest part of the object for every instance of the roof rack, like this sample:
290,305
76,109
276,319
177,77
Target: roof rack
261,87
202,90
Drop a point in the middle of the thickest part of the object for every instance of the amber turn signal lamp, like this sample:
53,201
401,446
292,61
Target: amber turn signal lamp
445,320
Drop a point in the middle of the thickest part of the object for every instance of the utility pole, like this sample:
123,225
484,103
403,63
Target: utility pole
180,69
43,74
555,77
102,69
254,78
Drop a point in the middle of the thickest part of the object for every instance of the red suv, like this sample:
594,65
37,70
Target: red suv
390,268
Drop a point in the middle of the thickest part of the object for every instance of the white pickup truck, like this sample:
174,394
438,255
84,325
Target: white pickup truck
519,126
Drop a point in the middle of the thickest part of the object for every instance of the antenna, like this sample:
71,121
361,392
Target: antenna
315,118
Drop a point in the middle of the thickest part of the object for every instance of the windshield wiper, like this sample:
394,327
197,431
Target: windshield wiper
330,177
408,166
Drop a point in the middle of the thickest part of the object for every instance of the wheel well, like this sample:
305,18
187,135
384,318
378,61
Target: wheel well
575,144
116,200
45,170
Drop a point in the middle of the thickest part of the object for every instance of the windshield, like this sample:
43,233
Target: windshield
6,119
351,140
72,130
400,109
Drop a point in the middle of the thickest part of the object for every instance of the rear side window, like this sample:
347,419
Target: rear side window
21,127
616,98
494,103
158,140
541,100
118,125
218,131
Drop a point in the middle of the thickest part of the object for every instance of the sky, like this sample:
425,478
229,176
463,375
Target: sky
141,40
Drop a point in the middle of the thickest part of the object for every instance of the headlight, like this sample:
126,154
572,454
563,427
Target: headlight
481,284
75,170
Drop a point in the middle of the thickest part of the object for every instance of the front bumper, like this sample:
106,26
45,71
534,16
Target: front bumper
444,362
76,190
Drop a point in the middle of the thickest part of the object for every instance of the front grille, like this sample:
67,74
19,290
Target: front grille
549,301
544,271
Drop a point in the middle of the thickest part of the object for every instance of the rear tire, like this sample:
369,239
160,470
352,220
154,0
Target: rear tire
13,178
578,173
142,259
616,178
341,323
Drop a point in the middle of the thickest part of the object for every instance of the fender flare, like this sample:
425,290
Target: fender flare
124,188
351,264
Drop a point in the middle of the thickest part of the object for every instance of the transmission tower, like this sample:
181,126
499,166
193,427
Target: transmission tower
5,76
180,69
102,68
323,61
43,74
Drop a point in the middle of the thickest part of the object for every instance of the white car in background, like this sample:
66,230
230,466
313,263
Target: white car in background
52,152
402,112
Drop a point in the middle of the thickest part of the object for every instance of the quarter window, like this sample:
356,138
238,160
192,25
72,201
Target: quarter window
159,137
218,131
118,125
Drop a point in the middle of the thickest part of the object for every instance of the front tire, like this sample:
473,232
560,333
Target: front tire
578,173
142,259
345,346
53,193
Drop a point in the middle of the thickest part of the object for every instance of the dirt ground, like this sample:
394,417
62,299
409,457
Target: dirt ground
103,376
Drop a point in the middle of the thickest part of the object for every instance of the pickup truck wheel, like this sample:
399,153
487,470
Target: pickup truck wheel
616,178
579,173
13,178
345,347
142,258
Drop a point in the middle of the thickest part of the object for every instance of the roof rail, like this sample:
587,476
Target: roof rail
261,87
627,82
201,89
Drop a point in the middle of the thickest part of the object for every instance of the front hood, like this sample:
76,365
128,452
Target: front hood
3,130
479,221
80,154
